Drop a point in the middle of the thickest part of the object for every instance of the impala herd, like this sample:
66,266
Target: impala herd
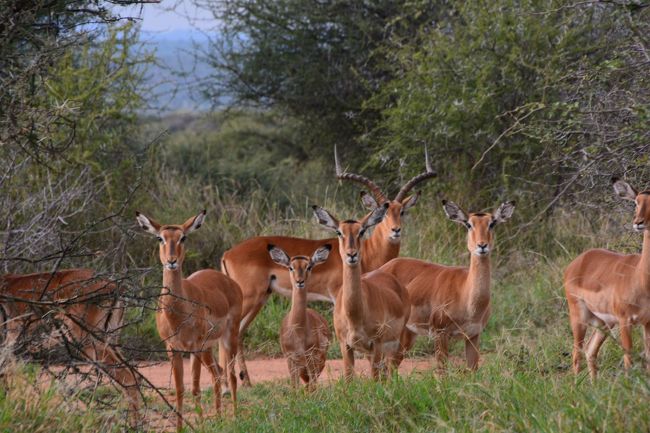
381,302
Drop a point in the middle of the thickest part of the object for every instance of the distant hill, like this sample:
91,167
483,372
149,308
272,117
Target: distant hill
175,79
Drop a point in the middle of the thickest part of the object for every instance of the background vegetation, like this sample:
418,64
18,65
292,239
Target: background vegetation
538,101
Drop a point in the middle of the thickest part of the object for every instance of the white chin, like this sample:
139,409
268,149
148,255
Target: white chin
394,239
481,253
639,228
352,262
171,267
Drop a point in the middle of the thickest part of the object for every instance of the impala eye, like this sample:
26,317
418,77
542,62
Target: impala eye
160,239
290,268
361,233
492,224
183,239
339,234
468,225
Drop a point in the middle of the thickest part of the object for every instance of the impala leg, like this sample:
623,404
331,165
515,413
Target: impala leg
376,362
626,342
195,363
348,361
207,358
442,351
294,372
471,352
579,330
406,341
176,359
593,346
121,374
646,344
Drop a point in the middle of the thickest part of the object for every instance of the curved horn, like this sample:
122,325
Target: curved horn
417,179
379,196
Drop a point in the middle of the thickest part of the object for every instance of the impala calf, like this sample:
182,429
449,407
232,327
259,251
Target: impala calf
605,289
371,309
195,313
304,334
452,301
249,263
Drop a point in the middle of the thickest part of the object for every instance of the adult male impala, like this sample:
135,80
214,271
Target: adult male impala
249,263
605,289
90,309
304,334
370,311
195,313
452,301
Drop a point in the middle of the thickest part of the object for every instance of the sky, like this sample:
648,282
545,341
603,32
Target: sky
170,16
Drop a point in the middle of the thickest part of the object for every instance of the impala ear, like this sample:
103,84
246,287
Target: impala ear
194,223
504,212
325,219
368,201
321,254
410,201
278,255
375,217
454,212
623,189
147,224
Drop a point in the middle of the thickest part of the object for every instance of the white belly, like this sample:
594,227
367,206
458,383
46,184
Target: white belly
609,319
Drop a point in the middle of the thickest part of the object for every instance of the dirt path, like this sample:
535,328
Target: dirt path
268,370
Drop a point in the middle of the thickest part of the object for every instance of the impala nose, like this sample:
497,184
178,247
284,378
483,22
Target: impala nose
353,258
482,249
300,284
172,263
397,231
639,225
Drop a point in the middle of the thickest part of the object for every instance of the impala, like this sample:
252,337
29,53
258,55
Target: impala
605,289
370,311
89,308
249,263
304,334
195,313
452,301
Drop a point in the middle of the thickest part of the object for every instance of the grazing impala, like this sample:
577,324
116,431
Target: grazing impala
605,289
451,301
195,313
249,263
89,308
304,334
370,311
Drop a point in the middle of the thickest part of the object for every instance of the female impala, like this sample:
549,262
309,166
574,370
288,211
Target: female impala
249,263
304,334
605,289
370,311
195,313
451,301
89,307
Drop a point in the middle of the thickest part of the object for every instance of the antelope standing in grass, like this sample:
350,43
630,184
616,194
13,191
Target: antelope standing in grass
304,334
90,309
605,289
452,301
250,265
195,313
371,310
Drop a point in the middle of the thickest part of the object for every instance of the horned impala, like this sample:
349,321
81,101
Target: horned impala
249,263
605,289
304,334
370,311
90,309
195,313
452,301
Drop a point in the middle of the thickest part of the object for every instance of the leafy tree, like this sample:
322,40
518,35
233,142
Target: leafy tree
316,60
